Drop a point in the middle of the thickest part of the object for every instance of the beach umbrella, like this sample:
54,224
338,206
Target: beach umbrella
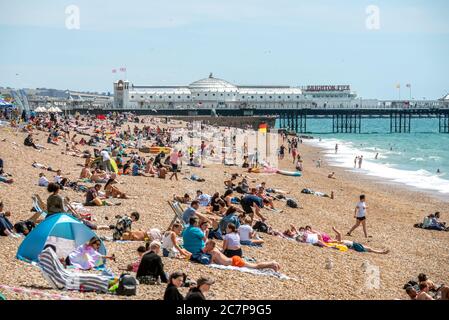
57,109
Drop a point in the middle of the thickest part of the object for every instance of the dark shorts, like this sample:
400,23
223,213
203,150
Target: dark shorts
174,167
358,247
230,253
361,218
247,208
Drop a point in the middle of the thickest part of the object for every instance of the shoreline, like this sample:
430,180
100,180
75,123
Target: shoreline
373,177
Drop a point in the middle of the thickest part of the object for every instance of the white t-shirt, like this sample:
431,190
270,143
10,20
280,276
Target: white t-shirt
312,238
361,209
233,240
43,182
58,179
244,232
105,155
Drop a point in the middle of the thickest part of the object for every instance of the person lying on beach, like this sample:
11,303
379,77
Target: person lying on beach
271,190
316,193
186,199
87,257
248,236
236,261
355,245
41,166
170,245
331,175
6,179
113,191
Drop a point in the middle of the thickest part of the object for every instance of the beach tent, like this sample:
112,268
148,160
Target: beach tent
101,117
5,104
61,230
57,109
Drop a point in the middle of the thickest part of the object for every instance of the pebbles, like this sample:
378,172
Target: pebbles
322,273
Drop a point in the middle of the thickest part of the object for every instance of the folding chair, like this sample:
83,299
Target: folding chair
178,210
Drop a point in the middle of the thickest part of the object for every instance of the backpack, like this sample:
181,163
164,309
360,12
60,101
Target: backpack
127,285
292,203
260,226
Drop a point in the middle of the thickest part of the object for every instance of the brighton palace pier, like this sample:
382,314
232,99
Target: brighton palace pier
291,105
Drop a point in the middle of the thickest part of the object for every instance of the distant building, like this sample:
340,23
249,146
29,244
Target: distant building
213,93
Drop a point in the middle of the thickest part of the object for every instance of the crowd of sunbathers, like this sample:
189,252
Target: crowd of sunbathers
211,229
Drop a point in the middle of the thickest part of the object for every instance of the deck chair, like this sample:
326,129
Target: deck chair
178,210
38,206
60,278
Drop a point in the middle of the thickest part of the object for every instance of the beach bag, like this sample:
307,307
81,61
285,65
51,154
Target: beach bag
279,196
260,226
127,285
292,203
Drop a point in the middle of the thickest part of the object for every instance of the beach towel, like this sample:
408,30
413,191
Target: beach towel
258,272
54,272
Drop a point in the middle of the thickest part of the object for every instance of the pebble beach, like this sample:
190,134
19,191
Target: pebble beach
392,212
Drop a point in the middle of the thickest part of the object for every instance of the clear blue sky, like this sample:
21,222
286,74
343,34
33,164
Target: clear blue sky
246,42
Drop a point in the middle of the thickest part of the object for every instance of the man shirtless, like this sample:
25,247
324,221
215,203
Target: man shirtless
236,261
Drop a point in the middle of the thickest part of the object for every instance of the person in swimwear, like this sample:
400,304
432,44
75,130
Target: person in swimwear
236,261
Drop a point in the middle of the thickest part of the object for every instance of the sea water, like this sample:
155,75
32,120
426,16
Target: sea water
411,158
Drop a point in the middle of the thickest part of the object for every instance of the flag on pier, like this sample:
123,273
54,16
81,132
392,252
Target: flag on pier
263,127
114,70
398,86
122,69
408,85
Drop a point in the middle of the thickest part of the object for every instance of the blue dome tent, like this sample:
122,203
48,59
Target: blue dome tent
61,230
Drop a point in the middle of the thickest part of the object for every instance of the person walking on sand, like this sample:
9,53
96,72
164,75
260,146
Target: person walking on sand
360,162
360,216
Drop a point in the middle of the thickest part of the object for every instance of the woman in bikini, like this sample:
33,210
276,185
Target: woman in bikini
114,192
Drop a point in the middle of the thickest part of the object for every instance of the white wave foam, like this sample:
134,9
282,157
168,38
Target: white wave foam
421,179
